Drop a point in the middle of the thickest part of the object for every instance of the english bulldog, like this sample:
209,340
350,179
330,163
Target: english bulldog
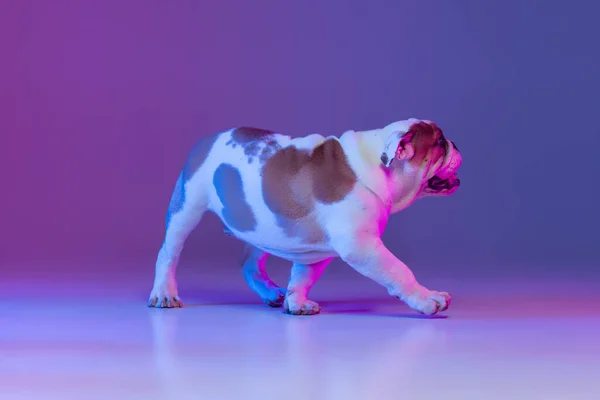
307,200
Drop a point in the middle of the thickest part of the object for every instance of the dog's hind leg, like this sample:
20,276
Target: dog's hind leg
255,274
302,279
185,211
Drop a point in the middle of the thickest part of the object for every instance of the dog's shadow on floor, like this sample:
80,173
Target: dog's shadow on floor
366,307
373,307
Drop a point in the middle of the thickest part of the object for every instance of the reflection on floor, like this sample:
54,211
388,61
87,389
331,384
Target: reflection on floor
96,339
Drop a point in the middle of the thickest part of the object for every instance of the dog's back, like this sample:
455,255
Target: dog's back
268,189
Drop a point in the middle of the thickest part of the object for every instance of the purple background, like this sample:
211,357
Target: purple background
101,101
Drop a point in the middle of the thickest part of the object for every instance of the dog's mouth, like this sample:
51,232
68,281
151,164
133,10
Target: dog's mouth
438,184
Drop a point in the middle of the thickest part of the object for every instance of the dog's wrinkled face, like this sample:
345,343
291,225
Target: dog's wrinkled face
427,156
441,161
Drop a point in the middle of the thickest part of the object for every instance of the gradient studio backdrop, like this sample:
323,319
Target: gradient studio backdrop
101,101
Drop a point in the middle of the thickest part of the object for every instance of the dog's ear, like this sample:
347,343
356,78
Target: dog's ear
398,145
412,145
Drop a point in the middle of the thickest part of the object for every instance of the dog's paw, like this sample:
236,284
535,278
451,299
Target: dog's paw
273,297
306,307
164,300
429,302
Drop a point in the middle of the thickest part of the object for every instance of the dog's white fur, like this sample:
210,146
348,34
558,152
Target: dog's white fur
353,225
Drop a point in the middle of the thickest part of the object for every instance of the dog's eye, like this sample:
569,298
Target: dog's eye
441,141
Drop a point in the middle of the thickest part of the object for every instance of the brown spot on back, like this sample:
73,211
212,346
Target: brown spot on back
287,183
237,213
197,156
333,178
252,140
246,135
270,148
293,180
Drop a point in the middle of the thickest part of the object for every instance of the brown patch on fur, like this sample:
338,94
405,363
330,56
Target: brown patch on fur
237,213
293,180
333,178
305,228
423,139
287,183
246,135
252,139
269,150
197,156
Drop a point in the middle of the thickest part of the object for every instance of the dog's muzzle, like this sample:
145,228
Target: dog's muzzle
438,184
446,177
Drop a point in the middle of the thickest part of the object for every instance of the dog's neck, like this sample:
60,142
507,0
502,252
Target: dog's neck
397,186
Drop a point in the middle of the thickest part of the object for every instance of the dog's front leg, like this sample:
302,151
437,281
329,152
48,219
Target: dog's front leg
371,258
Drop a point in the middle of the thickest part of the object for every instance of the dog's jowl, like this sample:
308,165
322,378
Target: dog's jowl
308,200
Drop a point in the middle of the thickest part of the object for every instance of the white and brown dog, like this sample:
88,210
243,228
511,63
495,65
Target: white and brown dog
308,200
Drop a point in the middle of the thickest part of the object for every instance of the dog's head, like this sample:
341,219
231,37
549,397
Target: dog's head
424,156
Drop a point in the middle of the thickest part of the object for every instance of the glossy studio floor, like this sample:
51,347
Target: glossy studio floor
89,335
